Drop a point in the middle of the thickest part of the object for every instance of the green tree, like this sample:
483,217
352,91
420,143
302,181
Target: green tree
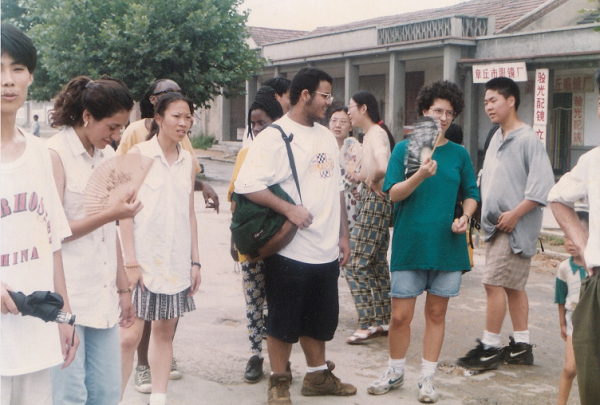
201,44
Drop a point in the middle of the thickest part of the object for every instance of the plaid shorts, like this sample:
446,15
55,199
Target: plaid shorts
503,268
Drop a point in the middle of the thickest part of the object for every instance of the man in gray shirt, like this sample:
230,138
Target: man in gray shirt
516,179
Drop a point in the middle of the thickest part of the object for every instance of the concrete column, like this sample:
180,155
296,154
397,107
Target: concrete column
225,119
251,88
469,118
277,71
451,56
350,80
396,97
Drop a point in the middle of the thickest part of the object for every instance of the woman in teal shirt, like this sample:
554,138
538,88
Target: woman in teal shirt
429,249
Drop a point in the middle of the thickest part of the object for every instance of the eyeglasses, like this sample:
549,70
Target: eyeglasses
158,93
335,121
328,97
350,106
438,112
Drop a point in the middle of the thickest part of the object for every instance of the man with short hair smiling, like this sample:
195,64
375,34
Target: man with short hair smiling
301,280
516,179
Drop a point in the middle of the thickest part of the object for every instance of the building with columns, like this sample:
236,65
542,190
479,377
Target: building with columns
394,56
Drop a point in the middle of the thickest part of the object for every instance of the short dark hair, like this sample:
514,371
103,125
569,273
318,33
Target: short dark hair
445,90
162,104
102,98
146,107
584,216
281,85
506,87
337,107
308,78
265,100
454,133
19,46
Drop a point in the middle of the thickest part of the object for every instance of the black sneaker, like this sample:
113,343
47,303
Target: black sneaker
481,359
254,369
517,353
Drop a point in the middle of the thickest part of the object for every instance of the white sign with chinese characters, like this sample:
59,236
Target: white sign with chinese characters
516,71
574,84
577,119
540,103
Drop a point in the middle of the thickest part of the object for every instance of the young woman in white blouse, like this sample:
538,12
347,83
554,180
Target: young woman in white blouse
161,243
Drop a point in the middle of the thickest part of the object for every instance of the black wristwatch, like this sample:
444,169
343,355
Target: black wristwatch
196,264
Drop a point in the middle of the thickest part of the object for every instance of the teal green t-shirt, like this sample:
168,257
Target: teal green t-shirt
423,237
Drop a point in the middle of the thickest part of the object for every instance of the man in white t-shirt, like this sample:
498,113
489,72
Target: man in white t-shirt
33,223
583,183
301,280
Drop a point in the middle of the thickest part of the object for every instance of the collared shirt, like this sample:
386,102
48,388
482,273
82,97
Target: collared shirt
90,262
568,283
137,132
583,182
516,168
162,233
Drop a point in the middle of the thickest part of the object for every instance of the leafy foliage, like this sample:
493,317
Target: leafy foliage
200,44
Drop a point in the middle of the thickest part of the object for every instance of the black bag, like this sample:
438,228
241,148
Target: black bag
258,231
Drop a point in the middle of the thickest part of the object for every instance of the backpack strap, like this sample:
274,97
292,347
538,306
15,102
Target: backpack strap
288,140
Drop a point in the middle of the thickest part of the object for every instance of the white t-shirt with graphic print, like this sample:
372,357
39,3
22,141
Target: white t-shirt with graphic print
32,225
317,161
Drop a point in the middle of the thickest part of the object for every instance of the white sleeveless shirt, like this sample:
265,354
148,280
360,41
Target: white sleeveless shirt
90,262
162,233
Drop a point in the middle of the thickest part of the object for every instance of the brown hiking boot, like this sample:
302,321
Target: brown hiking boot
279,389
325,383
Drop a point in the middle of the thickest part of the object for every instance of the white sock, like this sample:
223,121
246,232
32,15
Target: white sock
313,369
259,354
385,327
490,339
158,399
522,336
427,368
397,365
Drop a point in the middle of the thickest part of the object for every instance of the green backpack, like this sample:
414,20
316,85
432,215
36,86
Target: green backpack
253,225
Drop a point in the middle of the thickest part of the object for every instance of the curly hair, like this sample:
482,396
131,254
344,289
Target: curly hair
440,90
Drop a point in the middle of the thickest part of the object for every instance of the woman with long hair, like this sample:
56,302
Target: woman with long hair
367,272
161,243
91,114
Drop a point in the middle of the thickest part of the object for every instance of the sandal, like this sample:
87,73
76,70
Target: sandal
360,337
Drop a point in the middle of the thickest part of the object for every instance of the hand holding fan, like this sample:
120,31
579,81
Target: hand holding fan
422,144
351,154
113,180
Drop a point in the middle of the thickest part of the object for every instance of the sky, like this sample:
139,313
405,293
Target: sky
308,14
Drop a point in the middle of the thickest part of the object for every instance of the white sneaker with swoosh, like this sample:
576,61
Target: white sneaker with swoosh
388,380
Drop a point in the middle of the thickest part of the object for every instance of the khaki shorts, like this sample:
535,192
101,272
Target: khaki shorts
503,268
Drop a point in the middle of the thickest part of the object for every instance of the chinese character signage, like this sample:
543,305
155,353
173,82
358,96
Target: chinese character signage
574,84
577,119
540,103
516,71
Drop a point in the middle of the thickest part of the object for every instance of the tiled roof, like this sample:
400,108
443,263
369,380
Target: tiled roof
262,35
506,12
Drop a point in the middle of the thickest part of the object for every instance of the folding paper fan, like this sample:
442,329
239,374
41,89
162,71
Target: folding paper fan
422,144
114,179
351,154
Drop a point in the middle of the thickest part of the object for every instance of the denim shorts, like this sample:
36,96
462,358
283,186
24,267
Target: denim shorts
412,283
